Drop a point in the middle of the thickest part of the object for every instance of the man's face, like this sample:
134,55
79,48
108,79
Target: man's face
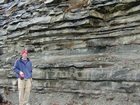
24,55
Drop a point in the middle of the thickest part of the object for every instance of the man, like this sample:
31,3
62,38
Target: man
23,70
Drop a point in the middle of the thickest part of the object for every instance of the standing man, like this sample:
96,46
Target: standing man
23,70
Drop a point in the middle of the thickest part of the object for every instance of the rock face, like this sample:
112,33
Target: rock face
93,50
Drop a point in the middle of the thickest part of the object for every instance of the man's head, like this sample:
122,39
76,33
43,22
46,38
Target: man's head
24,54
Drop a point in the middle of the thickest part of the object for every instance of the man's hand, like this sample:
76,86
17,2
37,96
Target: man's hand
21,74
31,79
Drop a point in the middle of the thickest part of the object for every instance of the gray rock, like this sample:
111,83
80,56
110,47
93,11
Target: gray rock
91,52
2,1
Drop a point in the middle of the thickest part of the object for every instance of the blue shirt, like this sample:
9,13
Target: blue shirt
25,61
23,65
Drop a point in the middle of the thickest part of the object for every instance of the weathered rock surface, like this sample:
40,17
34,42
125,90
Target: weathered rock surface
92,52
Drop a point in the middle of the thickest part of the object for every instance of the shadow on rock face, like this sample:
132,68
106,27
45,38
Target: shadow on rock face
1,52
3,97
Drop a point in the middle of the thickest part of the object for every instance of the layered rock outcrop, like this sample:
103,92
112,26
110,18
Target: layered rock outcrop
91,50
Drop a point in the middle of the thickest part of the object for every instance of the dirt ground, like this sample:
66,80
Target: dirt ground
56,98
